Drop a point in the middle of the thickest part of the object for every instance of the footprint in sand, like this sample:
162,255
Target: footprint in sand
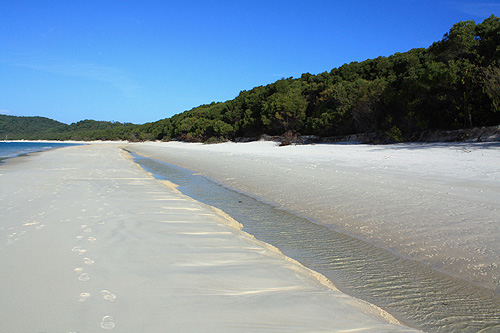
107,323
78,249
91,239
108,296
84,277
30,223
88,261
85,228
83,297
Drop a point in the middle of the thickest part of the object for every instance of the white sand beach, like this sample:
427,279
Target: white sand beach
91,242
434,203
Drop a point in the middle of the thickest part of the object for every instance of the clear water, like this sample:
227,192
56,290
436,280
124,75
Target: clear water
10,149
417,295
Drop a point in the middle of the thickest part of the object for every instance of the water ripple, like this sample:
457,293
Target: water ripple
413,292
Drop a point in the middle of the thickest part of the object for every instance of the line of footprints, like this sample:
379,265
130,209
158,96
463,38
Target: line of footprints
107,321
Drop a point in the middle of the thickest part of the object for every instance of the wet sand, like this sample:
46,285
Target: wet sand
438,204
90,241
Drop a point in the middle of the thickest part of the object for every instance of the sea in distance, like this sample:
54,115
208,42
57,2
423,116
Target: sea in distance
9,149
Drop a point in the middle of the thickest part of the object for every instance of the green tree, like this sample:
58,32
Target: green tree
459,42
491,85
284,110
488,34
222,129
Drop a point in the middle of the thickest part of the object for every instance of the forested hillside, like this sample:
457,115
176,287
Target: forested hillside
12,127
40,128
455,83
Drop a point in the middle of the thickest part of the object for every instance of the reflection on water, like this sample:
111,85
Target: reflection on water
415,294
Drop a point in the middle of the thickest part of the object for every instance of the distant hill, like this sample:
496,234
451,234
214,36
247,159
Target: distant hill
41,128
12,127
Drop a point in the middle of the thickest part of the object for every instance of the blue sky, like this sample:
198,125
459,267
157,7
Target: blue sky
141,61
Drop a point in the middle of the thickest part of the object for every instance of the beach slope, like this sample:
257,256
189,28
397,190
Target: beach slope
434,203
90,241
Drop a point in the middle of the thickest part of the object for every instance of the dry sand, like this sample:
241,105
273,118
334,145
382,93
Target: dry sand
90,242
435,203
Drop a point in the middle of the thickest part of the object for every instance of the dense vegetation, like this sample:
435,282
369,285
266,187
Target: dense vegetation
40,128
455,83
19,127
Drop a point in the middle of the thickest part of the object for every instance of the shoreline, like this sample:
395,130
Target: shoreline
323,280
406,288
20,152
115,236
407,182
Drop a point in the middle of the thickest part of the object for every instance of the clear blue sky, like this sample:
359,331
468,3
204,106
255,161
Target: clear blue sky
141,61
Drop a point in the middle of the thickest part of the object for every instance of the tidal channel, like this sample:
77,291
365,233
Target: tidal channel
414,293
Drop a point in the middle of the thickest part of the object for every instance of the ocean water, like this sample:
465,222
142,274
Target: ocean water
9,149
417,295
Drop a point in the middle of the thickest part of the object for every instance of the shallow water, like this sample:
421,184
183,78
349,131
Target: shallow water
414,293
9,149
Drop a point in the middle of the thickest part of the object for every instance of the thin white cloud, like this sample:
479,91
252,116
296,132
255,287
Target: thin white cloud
116,77
479,9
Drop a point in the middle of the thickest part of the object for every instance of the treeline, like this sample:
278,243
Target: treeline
455,83
41,128
12,127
